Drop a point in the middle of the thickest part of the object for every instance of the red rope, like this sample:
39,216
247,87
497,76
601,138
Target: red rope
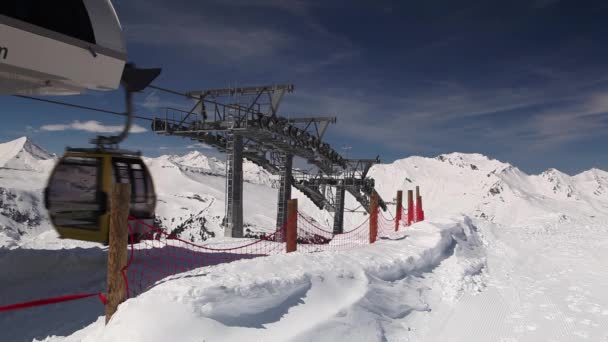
53,300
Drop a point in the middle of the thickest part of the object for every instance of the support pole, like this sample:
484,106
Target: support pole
339,214
410,207
118,246
233,222
284,192
419,209
399,210
373,218
418,215
291,234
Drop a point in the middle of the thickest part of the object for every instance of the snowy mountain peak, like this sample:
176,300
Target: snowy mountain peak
593,173
473,161
554,173
194,159
23,154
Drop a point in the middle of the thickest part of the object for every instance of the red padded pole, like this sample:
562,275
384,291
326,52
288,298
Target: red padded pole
399,209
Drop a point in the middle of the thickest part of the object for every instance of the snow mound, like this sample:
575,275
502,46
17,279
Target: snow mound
304,297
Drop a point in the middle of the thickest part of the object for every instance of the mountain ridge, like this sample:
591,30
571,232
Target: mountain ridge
191,188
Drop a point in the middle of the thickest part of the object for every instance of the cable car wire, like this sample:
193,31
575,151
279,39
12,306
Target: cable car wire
82,107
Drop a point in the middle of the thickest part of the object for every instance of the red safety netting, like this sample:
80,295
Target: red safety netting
159,254
403,222
313,237
386,225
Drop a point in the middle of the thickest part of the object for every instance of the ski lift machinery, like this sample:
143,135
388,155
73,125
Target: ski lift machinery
66,49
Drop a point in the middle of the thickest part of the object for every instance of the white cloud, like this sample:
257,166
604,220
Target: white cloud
199,145
90,126
152,101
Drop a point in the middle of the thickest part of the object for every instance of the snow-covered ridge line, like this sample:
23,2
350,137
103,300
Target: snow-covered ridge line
451,184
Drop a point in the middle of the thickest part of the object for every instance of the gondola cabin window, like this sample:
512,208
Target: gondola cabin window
142,193
68,17
74,193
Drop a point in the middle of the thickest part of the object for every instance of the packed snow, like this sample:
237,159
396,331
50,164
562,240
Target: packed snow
503,256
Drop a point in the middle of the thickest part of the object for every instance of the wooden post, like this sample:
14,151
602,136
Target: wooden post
373,218
410,207
399,210
291,235
417,191
118,246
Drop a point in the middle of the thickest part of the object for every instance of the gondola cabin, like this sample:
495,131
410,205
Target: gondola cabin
79,192
60,47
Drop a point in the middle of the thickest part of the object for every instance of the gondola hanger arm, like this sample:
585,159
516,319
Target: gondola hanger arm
133,80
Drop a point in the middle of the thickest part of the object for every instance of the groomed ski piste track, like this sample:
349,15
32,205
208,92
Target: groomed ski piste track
502,256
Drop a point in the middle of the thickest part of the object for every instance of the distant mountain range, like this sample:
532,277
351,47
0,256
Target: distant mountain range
191,192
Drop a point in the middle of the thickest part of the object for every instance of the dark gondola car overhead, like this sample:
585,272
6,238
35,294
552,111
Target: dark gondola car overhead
60,47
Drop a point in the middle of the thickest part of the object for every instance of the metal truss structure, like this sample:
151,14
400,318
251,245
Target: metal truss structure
244,123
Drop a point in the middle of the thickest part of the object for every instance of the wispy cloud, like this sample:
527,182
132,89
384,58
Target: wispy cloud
199,145
332,59
153,101
199,34
552,127
221,43
237,33
452,115
90,126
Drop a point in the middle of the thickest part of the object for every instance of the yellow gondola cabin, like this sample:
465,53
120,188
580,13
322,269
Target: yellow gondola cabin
78,193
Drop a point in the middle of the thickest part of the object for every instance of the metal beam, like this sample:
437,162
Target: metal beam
251,90
330,119
339,214
284,190
233,221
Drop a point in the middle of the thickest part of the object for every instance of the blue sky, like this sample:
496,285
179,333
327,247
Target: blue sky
521,81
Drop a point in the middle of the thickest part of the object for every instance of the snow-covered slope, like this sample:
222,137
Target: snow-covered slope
194,200
196,162
24,168
481,187
305,297
504,256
